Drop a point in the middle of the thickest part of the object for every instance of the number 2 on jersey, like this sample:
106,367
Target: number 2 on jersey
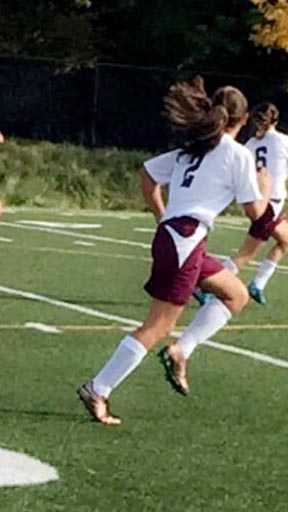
261,157
189,172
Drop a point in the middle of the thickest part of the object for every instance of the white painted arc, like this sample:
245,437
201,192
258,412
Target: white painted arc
93,312
18,469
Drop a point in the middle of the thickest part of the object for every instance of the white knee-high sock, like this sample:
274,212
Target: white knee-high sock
208,320
127,356
265,272
229,263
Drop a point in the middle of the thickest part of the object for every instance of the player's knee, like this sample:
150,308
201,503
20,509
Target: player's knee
283,245
239,299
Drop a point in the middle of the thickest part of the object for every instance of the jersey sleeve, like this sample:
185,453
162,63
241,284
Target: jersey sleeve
249,144
160,168
286,154
245,182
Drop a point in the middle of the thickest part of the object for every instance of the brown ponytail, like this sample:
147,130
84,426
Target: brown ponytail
234,101
193,115
263,116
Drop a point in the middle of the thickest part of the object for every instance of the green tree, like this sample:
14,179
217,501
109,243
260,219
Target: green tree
57,30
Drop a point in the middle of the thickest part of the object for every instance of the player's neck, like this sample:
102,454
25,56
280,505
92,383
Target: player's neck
233,132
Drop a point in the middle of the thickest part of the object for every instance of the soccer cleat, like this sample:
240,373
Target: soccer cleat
202,297
175,368
97,405
256,293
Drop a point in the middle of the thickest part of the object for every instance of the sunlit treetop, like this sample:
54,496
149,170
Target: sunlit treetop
272,31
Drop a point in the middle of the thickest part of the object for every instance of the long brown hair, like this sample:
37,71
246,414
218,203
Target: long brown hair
200,120
263,116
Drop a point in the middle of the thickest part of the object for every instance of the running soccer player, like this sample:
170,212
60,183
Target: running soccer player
205,175
270,149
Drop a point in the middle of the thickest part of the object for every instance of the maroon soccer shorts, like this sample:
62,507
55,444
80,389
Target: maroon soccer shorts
263,227
171,279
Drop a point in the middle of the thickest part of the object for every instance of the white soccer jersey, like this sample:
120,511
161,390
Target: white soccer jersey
272,152
203,187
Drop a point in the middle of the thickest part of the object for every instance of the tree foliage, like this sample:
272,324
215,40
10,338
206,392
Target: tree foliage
58,30
272,30
211,36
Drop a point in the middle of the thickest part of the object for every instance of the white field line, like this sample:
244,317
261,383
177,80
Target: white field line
281,269
6,240
42,327
85,244
248,353
115,241
122,215
230,226
75,252
239,221
77,235
128,321
144,230
56,225
67,305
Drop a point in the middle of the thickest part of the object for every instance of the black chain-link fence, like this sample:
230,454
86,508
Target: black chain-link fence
109,105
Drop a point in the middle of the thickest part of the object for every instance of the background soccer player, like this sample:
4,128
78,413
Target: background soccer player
270,149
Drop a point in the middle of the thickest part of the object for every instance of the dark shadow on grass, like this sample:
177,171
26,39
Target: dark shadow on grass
79,300
45,415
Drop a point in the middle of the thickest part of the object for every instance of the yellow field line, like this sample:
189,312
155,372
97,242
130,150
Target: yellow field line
111,327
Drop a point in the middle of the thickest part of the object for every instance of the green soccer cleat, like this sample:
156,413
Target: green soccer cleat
96,405
175,368
256,294
202,297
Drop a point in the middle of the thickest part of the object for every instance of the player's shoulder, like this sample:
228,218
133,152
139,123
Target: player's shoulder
283,137
163,157
234,147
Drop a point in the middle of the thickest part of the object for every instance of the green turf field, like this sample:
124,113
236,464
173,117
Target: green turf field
223,448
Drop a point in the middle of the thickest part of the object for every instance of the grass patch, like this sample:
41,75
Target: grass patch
45,174
221,449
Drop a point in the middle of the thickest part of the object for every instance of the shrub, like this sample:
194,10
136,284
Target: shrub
42,174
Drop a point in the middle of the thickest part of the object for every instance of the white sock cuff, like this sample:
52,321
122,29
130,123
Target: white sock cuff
134,346
226,312
268,264
229,263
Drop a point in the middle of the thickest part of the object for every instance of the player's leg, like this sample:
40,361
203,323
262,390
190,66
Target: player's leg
265,227
126,358
268,266
245,254
231,296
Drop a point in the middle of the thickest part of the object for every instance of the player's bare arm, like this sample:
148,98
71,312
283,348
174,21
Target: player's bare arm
256,209
152,193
